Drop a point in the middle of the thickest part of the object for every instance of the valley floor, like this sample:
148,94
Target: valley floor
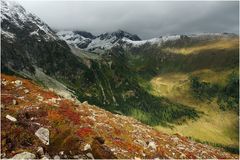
214,125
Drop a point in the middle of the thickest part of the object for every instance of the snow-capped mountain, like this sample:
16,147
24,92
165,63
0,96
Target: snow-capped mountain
15,18
89,42
29,44
79,39
158,41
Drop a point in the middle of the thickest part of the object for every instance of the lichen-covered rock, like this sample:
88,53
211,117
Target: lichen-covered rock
43,135
24,155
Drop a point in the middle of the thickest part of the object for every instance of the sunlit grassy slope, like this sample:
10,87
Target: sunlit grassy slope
222,44
214,125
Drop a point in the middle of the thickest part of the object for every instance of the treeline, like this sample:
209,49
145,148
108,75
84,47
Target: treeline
227,95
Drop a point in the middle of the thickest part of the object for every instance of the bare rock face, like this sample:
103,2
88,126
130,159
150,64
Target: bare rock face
24,155
43,135
101,151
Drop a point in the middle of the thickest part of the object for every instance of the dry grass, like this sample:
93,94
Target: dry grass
218,44
214,125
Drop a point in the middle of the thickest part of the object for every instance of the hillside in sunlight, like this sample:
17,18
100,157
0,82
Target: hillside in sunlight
214,65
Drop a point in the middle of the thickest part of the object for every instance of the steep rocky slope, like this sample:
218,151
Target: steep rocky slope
37,123
29,43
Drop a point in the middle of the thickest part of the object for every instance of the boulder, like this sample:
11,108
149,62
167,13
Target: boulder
39,98
85,102
100,150
61,153
24,155
76,157
26,91
11,118
4,82
43,135
40,151
152,145
87,147
46,156
18,83
15,102
90,156
56,157
2,106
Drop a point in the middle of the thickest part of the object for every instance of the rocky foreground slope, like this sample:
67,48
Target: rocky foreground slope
37,123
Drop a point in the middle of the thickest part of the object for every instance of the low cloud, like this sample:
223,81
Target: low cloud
147,19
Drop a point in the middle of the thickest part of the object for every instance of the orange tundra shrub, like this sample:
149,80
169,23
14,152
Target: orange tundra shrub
67,110
54,115
7,99
49,95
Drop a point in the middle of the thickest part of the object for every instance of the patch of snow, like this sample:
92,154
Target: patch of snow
34,32
104,44
8,34
71,38
157,41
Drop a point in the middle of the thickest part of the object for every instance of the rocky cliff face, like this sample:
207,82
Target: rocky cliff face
38,123
29,43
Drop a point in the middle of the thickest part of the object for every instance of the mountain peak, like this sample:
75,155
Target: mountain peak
120,33
13,16
84,34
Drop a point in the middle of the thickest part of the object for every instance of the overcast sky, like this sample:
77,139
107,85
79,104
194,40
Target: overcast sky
146,19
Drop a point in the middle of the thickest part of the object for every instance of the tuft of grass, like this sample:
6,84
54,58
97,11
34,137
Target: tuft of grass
231,149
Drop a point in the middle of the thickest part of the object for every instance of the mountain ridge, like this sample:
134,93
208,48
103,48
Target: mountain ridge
108,40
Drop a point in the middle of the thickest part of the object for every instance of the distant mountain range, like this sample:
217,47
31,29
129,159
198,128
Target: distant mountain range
86,41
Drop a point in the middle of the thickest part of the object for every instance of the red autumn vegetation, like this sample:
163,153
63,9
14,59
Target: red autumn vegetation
82,132
67,110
